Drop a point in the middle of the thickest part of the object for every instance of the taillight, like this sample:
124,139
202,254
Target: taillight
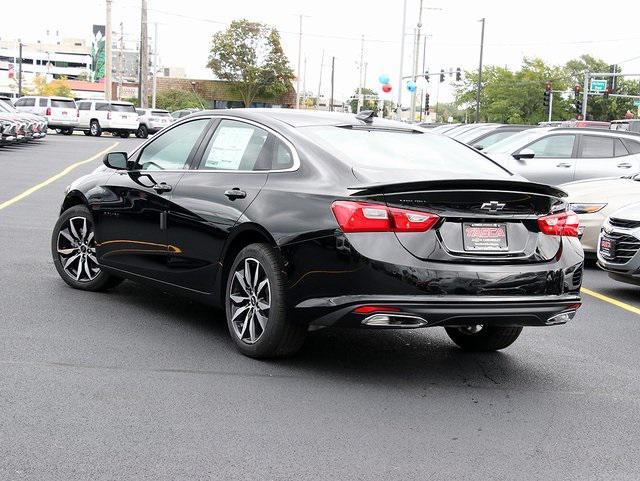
48,112
565,224
368,217
77,112
374,309
108,115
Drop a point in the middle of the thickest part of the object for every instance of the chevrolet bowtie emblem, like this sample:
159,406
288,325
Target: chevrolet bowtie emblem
493,206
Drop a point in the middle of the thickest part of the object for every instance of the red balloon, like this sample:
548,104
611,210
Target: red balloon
386,88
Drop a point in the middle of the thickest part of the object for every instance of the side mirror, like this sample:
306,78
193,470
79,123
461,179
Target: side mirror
116,160
478,147
525,154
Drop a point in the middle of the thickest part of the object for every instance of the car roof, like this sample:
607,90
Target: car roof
590,131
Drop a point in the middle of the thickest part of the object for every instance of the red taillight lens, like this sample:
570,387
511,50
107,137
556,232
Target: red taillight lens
108,115
77,112
48,111
372,309
368,217
564,223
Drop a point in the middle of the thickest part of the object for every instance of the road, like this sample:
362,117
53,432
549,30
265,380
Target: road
135,384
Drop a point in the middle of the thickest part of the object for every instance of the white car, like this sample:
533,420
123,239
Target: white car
595,199
152,121
61,112
619,245
116,117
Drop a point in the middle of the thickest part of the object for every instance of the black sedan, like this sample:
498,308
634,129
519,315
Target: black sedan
292,220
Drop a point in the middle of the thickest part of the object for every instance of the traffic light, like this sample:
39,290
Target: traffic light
576,89
606,92
426,75
547,97
458,74
611,81
426,102
578,100
441,75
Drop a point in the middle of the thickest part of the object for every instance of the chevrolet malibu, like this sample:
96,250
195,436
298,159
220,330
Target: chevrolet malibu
293,220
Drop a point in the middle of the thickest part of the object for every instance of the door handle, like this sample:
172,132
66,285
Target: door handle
566,165
162,187
235,193
625,165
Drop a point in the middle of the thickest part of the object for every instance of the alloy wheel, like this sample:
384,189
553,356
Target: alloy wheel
76,247
250,299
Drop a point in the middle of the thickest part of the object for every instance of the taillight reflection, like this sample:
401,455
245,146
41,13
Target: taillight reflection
369,217
564,224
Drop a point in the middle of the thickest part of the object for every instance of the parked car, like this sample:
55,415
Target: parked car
36,124
8,129
61,112
560,155
178,114
585,124
619,245
441,129
596,199
117,117
627,125
152,121
292,219
483,137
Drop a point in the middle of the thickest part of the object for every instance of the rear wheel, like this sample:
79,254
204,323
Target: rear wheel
483,338
94,129
142,132
67,131
86,132
255,305
73,247
124,135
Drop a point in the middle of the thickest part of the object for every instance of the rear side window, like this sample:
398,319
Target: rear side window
84,106
42,102
102,107
63,103
282,156
596,147
619,149
632,146
123,108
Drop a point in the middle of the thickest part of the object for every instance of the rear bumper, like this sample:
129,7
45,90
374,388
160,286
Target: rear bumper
65,124
439,311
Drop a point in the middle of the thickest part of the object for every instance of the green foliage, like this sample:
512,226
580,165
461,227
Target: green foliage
517,96
367,104
445,110
176,99
251,57
55,88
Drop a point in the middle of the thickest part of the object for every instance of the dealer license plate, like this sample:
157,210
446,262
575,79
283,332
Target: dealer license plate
485,237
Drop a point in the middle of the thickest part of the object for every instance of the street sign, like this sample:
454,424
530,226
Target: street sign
636,103
598,85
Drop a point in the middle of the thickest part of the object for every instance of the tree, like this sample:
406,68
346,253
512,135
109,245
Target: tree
370,101
57,87
176,99
249,55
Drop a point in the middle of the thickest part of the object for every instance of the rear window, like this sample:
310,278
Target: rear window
384,149
123,108
160,113
63,103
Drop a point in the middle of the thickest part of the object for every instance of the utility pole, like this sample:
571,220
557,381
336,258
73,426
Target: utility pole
404,26
585,94
333,69
108,54
479,73
361,72
304,82
299,64
155,64
416,55
424,66
144,57
19,68
121,61
320,80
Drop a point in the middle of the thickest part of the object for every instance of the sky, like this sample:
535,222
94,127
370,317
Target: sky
555,31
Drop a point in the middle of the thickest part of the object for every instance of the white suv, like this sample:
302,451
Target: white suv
97,116
152,121
60,112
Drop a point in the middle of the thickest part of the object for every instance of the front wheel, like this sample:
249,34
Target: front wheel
124,135
482,337
67,131
94,129
73,247
142,132
255,305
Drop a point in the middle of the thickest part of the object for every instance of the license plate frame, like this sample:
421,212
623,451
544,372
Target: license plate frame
607,247
485,237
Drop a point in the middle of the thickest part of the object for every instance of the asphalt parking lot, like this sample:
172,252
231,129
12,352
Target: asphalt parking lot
136,384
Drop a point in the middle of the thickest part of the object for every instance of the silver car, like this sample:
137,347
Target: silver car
555,156
619,245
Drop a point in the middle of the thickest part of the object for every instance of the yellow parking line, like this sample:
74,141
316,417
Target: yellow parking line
59,175
610,300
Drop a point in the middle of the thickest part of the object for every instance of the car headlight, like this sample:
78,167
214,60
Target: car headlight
580,208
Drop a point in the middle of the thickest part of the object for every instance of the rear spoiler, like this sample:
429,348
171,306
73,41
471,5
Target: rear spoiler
459,184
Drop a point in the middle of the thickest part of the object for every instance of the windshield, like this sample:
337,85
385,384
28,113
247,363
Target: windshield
469,135
402,150
510,144
123,108
7,106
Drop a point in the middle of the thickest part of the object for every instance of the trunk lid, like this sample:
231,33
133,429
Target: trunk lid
482,220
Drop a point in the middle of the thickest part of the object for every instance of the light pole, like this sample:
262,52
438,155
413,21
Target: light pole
19,68
404,26
107,53
416,55
479,73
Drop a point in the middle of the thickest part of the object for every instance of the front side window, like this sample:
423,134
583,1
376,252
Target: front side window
171,150
557,146
29,102
234,146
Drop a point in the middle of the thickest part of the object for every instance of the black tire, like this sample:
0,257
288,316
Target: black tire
59,131
67,131
281,336
102,280
488,338
124,135
142,132
86,132
94,129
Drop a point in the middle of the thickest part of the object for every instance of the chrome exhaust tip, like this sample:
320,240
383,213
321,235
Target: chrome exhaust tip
561,318
406,321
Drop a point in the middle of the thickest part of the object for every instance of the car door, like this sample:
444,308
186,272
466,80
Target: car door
553,162
130,210
210,199
604,156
